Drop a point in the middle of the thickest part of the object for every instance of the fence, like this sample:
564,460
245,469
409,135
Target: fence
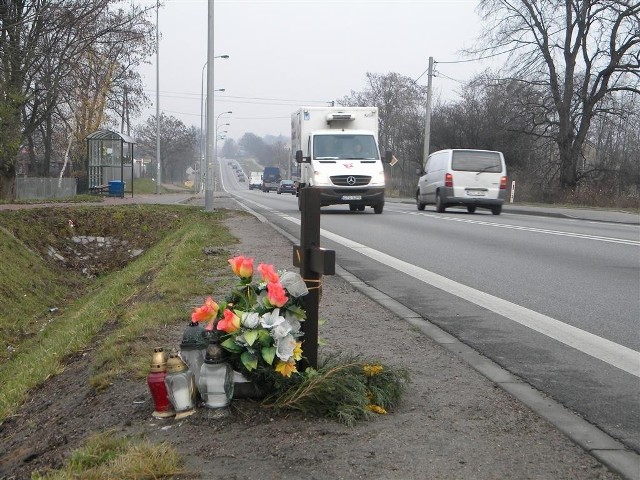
32,187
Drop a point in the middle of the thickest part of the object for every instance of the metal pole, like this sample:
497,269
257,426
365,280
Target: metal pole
208,194
158,161
427,119
201,163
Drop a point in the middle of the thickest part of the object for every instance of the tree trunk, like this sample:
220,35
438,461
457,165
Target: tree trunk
8,186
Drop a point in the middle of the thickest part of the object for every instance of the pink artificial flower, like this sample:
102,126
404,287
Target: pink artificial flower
230,323
276,294
208,311
268,273
242,266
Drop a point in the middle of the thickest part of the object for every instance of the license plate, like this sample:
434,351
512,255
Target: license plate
351,197
476,193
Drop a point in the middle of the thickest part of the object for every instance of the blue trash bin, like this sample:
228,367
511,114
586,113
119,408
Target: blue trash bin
116,188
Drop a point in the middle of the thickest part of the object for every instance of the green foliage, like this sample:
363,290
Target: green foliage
347,389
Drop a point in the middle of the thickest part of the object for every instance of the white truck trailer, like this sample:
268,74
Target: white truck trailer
255,180
337,150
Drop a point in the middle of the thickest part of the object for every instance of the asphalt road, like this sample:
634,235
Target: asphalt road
553,300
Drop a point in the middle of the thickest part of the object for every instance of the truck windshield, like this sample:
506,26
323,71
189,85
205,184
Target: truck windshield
344,147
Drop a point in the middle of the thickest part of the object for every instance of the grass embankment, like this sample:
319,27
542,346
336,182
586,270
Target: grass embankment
49,312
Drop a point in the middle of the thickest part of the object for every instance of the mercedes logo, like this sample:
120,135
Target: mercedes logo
351,180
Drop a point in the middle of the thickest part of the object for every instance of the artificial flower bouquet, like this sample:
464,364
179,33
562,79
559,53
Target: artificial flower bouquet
259,323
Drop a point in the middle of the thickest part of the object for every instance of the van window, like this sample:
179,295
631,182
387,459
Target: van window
476,161
435,162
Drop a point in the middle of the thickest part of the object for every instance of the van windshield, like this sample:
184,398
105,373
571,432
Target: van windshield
345,147
475,161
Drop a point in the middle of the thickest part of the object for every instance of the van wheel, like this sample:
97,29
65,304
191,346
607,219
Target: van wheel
496,209
419,204
439,205
378,208
471,208
353,208
361,208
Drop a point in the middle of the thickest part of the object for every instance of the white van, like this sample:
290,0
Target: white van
462,177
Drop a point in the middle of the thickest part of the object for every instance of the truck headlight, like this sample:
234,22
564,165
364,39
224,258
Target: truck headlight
321,179
378,178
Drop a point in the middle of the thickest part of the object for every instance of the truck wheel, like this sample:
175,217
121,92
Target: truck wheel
419,204
378,208
439,205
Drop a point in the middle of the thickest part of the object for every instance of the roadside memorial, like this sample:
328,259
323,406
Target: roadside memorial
262,343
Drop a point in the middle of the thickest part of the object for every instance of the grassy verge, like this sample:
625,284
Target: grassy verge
106,456
151,292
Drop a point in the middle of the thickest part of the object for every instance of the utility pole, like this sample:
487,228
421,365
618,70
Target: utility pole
159,164
427,119
211,133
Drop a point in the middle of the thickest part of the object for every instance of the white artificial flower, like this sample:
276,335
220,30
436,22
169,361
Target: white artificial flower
293,321
293,283
285,347
281,331
250,319
271,319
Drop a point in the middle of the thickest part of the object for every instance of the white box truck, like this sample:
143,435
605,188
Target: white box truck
337,150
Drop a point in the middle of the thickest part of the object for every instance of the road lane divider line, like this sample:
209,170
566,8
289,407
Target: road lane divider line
614,354
584,236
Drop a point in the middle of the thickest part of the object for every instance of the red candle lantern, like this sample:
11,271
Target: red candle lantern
157,387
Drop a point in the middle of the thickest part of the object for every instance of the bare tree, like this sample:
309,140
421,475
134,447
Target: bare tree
575,52
43,48
178,144
401,103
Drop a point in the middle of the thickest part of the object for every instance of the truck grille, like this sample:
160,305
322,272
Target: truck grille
351,180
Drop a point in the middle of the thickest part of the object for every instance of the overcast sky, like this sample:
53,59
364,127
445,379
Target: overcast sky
290,53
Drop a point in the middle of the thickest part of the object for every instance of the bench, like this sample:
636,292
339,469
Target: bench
99,189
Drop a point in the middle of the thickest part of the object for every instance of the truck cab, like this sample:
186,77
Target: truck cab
338,153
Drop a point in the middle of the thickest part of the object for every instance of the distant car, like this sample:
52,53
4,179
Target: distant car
286,186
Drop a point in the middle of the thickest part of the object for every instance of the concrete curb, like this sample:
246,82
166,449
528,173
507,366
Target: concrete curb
616,456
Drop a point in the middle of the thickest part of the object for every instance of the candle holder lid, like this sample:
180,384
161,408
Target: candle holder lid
159,360
214,354
193,337
175,364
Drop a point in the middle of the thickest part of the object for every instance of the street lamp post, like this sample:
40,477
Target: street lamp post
204,111
202,162
212,142
158,161
219,136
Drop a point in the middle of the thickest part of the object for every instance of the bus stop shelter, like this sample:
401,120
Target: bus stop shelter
110,163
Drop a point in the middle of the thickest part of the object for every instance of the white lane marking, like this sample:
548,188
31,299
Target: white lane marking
614,354
597,238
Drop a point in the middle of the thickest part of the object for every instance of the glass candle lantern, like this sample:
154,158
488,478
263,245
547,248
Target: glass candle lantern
216,378
193,348
181,387
157,387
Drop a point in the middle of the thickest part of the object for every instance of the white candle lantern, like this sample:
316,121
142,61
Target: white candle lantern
216,378
181,387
